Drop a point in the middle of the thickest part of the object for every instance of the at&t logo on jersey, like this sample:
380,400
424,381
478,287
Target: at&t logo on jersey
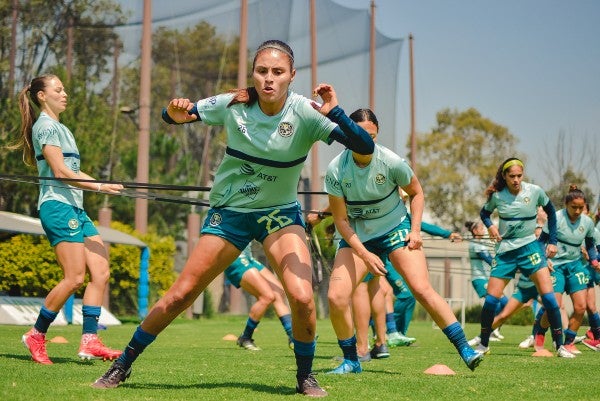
285,129
246,169
215,219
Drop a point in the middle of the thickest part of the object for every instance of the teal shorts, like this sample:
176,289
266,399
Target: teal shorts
528,259
480,286
385,244
570,277
239,267
65,223
524,294
240,228
594,276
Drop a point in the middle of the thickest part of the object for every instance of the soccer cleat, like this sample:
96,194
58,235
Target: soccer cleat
114,376
247,343
496,336
35,342
572,349
365,358
579,339
347,366
527,343
397,339
471,357
310,387
475,341
91,347
562,352
482,349
380,351
539,341
594,345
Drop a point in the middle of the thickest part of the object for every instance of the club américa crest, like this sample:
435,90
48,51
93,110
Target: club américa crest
285,129
215,219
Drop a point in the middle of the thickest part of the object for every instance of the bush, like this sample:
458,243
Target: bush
28,267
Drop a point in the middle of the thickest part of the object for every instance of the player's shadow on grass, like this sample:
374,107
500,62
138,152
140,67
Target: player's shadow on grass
257,387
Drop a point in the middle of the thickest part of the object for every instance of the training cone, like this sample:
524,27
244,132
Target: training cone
230,337
59,340
542,353
440,370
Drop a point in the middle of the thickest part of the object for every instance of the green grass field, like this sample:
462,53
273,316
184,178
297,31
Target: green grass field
191,361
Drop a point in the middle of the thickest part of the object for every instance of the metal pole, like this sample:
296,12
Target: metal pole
413,138
372,50
141,205
315,179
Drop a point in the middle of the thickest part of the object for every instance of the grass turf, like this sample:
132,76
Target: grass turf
191,361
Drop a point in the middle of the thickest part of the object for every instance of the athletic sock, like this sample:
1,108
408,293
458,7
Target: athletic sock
45,318
487,318
456,335
553,313
304,353
501,305
348,347
594,319
537,326
570,336
249,329
140,340
286,322
390,323
91,315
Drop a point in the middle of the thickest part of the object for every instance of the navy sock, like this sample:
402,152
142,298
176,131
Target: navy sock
304,353
286,322
487,318
456,335
249,329
45,318
390,323
348,347
140,340
91,314
537,326
501,305
570,336
553,313
595,324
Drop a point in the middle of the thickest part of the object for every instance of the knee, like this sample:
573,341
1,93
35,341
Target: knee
267,298
338,300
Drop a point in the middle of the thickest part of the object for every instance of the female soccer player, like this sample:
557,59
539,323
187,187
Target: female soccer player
517,247
78,246
270,131
371,217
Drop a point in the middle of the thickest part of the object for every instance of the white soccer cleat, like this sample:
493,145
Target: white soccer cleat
527,343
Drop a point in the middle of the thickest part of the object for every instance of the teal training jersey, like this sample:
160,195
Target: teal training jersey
570,236
265,154
479,267
517,215
373,200
47,131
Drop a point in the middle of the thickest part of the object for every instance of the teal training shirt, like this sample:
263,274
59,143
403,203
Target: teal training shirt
265,154
372,195
517,215
47,131
570,236
480,269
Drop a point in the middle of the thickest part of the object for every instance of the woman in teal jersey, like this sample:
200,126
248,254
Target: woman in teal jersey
371,217
569,271
249,274
517,248
78,246
270,131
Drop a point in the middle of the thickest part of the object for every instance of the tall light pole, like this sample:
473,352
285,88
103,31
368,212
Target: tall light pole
141,204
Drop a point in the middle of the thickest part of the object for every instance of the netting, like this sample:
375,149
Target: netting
343,36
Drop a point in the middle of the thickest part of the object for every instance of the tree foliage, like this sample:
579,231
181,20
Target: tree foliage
457,160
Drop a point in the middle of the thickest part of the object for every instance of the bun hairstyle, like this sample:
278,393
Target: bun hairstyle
574,193
470,225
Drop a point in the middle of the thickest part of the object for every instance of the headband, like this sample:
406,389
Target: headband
276,47
510,163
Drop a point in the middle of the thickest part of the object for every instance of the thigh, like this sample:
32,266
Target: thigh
96,257
411,264
254,283
347,273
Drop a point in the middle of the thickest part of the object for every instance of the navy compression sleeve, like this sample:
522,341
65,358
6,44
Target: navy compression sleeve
551,212
486,217
349,134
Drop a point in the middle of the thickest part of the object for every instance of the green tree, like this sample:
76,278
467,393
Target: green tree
558,192
457,160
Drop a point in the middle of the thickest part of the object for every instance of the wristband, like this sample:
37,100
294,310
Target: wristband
99,186
320,215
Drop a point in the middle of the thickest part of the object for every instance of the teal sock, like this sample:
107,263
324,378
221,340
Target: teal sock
45,318
570,336
286,322
91,315
553,313
140,340
456,335
390,323
348,347
250,327
304,353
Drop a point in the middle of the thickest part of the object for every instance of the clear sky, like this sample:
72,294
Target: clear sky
532,66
